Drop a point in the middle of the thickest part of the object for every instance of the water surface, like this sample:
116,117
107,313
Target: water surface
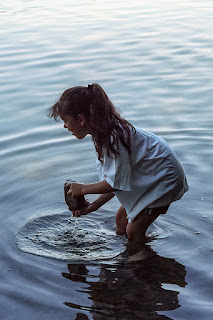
155,61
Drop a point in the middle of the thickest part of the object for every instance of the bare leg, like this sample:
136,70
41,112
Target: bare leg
121,221
136,231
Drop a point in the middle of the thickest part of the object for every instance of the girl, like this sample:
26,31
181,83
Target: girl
136,166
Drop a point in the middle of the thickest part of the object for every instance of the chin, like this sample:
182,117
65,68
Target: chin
82,137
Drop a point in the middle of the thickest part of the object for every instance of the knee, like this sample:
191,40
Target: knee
129,231
121,220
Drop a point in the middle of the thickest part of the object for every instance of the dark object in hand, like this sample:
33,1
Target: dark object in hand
73,203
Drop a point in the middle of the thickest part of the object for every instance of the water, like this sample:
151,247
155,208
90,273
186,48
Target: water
155,61
55,236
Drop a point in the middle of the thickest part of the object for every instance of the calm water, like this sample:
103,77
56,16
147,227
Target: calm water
155,61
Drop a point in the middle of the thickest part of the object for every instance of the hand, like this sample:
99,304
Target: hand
87,208
76,189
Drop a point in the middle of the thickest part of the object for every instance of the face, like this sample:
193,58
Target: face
76,126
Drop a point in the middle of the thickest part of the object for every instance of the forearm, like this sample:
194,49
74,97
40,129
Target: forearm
100,201
101,187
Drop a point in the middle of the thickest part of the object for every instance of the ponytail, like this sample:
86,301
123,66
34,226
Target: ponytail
105,124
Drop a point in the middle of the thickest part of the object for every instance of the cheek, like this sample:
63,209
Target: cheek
70,127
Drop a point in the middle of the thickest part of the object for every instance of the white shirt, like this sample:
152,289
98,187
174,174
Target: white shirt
152,176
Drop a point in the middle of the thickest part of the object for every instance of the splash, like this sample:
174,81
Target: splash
75,239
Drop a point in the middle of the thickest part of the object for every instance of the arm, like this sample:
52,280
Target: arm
78,189
89,207
100,201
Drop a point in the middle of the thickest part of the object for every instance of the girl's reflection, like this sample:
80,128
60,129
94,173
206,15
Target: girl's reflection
131,290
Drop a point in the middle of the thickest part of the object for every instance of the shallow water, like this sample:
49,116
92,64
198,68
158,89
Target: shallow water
155,61
56,236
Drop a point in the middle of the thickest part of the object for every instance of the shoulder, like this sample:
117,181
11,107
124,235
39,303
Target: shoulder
146,141
141,131
147,135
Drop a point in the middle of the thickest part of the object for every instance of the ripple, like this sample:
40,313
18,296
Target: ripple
54,236
161,230
155,62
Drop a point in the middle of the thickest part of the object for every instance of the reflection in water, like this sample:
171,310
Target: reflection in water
130,290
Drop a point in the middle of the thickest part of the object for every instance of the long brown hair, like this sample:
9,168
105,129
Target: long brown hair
105,124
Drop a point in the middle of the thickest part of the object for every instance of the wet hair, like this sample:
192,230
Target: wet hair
105,124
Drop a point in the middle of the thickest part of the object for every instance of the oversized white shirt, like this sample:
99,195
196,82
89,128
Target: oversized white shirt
151,176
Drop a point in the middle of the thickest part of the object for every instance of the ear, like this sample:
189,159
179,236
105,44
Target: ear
81,118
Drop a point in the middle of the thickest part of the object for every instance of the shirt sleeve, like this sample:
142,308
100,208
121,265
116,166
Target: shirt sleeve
116,170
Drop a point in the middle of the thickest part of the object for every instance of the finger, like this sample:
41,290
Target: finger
68,184
81,212
70,191
76,213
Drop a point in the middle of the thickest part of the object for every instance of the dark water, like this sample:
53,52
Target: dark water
155,61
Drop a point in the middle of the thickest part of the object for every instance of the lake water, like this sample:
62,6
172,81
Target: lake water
155,61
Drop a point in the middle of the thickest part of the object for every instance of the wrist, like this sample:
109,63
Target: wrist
83,190
94,206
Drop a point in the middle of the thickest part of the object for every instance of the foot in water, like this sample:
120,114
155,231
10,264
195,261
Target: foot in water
144,253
